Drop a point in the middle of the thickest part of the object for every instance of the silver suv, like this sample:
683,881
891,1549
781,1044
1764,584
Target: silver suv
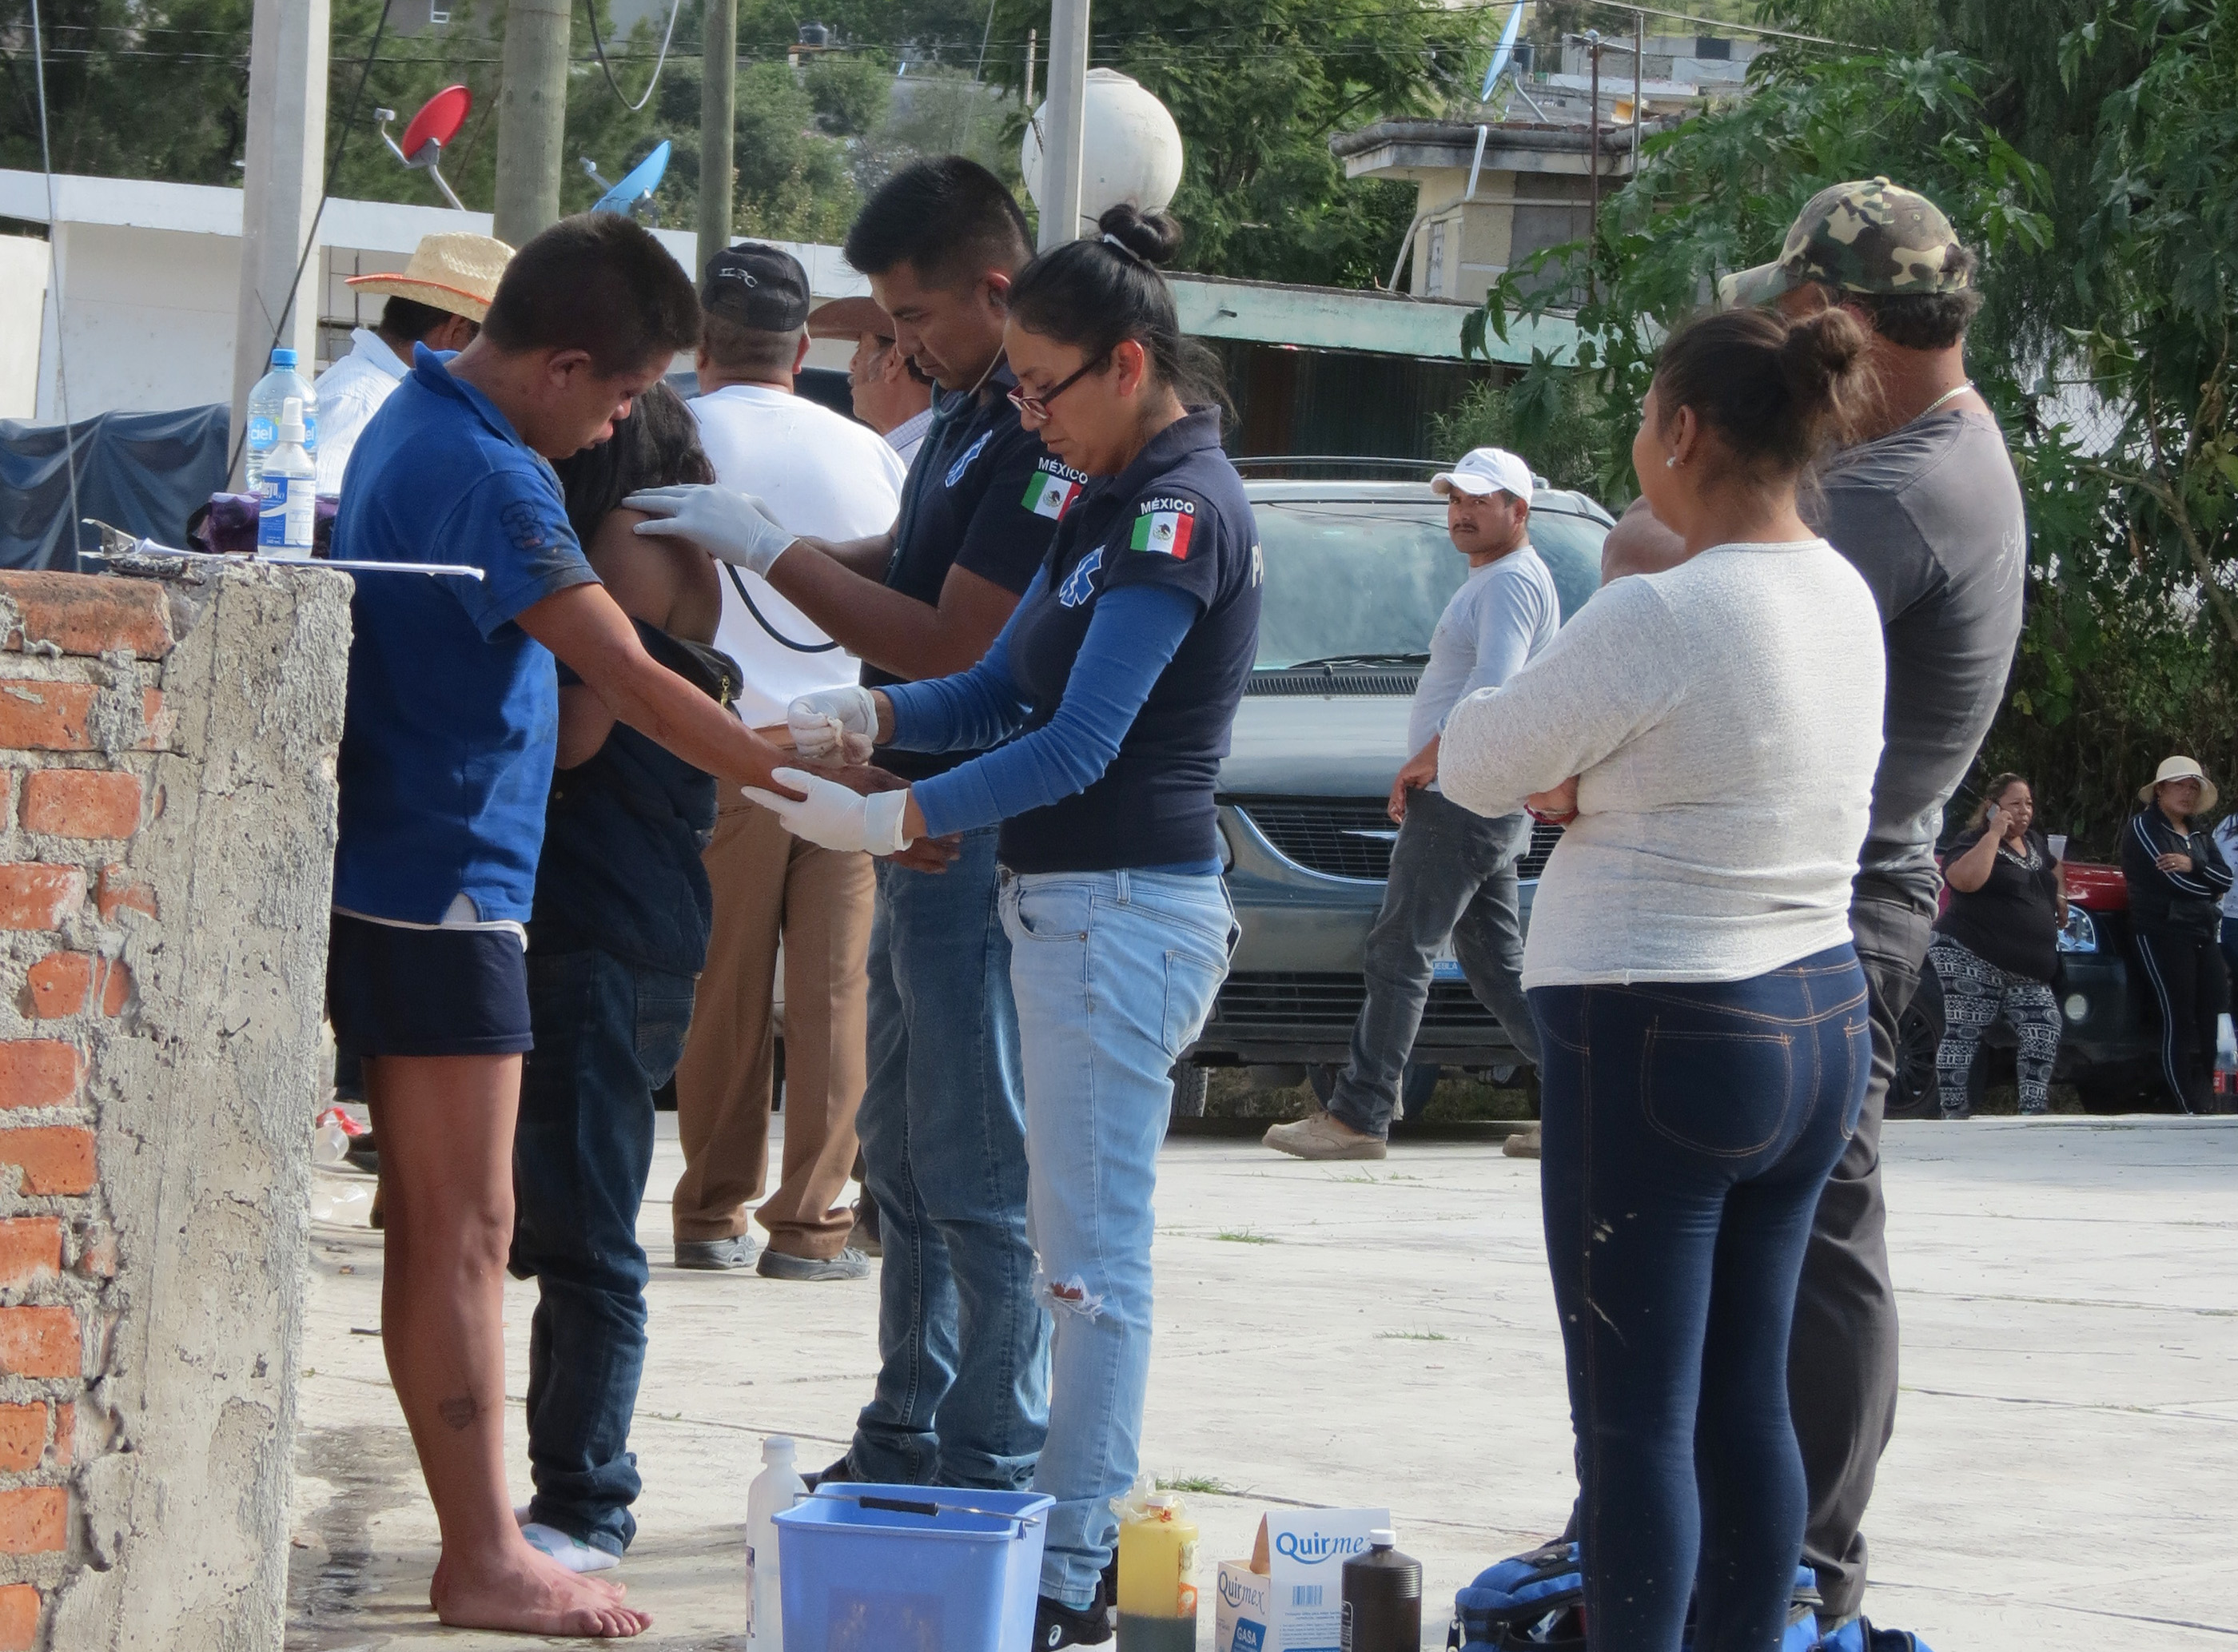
1357,574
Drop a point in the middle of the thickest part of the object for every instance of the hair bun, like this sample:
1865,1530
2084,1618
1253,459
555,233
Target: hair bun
1154,237
1821,355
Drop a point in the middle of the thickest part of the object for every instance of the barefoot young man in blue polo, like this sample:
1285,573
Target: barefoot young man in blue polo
447,760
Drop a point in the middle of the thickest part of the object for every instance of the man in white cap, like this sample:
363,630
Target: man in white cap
438,299
1453,873
889,395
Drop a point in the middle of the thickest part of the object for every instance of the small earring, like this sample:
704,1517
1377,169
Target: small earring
1671,463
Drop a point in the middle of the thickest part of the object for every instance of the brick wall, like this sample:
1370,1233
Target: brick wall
166,828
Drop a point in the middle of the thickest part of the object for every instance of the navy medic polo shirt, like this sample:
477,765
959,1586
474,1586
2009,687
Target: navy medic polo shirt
453,717
1176,516
983,495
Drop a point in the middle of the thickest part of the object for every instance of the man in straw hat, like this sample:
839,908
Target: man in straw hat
438,299
891,396
2177,879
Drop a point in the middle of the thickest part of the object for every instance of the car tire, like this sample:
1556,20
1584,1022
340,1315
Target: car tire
1190,1083
1912,1092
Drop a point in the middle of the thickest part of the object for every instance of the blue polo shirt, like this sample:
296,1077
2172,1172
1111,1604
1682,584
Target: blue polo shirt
453,716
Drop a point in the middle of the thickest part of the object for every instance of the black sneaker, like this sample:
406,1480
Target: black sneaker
840,1473
1057,1624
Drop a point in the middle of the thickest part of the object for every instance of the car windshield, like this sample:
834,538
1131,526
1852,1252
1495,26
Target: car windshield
1362,581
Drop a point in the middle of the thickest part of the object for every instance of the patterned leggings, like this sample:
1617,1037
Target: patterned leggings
1975,991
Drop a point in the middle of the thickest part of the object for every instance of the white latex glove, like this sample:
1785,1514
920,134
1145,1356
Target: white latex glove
736,528
834,816
840,723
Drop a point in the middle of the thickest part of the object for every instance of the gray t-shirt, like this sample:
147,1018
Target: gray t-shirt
1930,515
1504,613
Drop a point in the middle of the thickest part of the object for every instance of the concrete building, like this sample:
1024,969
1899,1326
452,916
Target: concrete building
149,278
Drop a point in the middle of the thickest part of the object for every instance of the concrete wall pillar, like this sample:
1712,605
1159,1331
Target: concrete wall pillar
167,831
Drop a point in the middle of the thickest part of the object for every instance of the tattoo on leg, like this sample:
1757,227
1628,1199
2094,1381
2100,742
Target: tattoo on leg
460,1413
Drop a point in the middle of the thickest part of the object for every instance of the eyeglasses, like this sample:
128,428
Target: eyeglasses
1037,407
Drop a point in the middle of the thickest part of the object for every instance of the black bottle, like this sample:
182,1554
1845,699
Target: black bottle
1382,1599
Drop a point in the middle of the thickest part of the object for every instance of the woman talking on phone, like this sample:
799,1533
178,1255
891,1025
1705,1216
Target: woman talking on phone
1114,684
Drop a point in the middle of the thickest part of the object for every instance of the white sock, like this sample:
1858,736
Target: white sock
574,1555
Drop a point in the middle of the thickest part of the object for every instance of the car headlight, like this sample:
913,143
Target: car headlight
2081,935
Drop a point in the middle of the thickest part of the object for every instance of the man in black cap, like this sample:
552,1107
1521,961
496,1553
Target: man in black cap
828,477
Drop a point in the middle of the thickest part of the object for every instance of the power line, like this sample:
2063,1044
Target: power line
591,12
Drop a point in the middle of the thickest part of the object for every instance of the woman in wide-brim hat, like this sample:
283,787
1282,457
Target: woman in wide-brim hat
2177,878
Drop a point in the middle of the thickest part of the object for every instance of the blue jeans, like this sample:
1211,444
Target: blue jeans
962,1393
1114,973
1688,1130
609,1034
1452,876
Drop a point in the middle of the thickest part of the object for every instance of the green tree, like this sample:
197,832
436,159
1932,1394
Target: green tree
2105,214
1257,89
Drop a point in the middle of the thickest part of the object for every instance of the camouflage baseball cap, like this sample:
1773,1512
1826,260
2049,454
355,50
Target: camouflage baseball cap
1867,236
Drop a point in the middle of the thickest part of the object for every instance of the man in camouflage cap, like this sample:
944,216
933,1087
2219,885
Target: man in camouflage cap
1925,506
1867,236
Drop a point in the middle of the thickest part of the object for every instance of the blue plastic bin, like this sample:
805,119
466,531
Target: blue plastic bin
911,1569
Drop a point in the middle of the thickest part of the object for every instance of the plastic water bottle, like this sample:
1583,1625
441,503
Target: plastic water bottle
266,403
776,1488
288,490
1382,1598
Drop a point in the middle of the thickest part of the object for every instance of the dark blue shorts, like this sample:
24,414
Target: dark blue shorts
425,992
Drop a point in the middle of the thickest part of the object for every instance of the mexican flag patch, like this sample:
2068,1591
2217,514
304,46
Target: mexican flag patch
1164,532
1050,495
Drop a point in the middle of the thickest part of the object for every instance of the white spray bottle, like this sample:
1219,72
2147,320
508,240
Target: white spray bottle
777,1488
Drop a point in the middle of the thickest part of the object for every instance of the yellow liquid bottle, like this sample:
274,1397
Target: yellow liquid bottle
1157,1564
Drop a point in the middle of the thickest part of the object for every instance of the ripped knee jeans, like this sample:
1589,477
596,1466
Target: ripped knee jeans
1114,974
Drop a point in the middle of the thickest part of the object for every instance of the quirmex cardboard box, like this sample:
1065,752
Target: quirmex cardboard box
1289,1597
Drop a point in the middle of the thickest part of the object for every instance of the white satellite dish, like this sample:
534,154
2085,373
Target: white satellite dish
1131,148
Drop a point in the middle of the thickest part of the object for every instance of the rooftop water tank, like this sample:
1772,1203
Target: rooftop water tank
1130,149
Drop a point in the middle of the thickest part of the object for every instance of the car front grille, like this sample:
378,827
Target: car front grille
1396,681
1279,1005
1352,836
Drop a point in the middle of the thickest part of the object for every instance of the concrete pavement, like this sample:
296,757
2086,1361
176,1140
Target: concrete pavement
1383,1334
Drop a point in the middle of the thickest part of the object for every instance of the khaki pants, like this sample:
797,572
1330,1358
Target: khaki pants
769,882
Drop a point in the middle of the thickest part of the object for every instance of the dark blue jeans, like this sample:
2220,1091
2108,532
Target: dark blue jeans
1688,1130
962,1391
608,1035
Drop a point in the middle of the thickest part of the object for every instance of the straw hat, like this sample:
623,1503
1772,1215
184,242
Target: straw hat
458,273
848,317
2182,768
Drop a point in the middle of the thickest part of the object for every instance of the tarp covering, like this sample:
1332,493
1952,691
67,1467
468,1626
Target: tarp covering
143,472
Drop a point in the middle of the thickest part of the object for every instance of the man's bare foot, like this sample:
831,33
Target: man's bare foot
518,1589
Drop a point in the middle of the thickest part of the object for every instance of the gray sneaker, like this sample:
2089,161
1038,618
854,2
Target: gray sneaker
1522,1144
1318,1136
850,1264
716,1255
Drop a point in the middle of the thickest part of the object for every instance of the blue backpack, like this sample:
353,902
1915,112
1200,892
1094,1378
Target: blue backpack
1532,1603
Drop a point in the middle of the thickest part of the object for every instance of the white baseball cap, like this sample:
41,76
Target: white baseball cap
1486,470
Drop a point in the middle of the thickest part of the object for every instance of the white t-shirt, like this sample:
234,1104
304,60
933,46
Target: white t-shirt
1503,614
1724,721
822,476
350,393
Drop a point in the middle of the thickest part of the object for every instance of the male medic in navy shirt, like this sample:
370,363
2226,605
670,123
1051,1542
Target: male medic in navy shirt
447,760
962,1396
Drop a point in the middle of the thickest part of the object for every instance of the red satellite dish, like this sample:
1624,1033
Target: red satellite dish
436,124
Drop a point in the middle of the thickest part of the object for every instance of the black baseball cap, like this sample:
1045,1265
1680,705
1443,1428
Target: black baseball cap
756,286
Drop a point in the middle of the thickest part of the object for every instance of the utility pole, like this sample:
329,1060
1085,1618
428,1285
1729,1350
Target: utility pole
1593,177
718,114
286,164
1068,106
1639,81
532,117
